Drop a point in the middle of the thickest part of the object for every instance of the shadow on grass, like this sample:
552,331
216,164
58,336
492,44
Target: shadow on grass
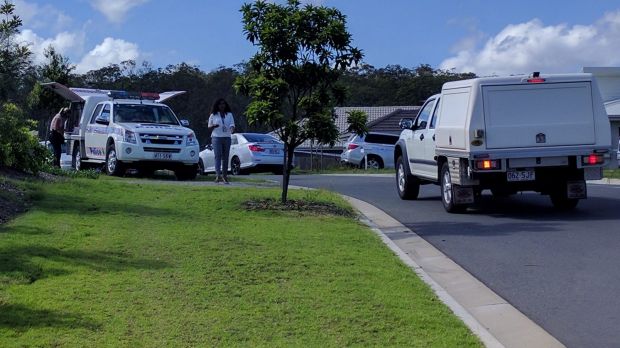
20,265
71,204
21,318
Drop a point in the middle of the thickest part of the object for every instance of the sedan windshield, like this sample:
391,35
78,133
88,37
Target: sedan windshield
144,113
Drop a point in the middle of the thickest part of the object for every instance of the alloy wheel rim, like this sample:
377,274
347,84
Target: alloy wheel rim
111,161
401,178
235,166
373,163
78,160
447,188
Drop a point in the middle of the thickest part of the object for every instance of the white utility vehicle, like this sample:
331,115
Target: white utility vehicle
124,130
508,134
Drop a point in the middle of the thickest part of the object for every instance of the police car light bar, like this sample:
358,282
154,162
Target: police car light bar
133,95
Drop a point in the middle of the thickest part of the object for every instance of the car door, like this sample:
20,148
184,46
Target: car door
430,163
97,132
234,150
416,146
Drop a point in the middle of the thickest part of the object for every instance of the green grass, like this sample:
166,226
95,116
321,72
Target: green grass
104,263
612,173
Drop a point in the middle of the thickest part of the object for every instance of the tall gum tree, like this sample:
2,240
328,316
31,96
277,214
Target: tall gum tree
293,78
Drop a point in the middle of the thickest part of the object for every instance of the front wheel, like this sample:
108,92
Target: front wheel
113,166
201,167
447,192
408,186
187,173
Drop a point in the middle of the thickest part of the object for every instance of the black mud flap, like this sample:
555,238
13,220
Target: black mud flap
576,189
463,194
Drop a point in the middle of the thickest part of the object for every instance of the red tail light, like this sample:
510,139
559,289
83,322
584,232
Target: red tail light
592,159
256,148
352,146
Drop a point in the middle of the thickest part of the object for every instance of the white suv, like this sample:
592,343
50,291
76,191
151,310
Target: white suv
378,148
121,130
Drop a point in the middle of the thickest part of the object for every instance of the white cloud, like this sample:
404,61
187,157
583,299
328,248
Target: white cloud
116,10
41,16
110,51
532,46
64,43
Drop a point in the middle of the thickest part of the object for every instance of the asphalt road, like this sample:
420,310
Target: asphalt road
561,269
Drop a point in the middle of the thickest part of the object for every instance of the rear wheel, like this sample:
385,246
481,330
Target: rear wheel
447,192
374,162
235,166
408,186
561,202
76,159
113,166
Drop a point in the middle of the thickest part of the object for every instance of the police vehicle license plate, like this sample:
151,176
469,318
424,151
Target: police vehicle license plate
163,155
521,175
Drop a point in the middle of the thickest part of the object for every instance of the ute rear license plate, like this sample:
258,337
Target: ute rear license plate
521,175
163,155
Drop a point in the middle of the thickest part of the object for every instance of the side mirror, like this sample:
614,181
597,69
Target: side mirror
185,123
102,121
405,123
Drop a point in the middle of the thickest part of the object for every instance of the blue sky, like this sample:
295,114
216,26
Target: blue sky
481,36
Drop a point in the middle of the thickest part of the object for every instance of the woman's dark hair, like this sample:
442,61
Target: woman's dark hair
216,106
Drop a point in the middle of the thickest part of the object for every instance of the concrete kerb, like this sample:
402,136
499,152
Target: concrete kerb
491,318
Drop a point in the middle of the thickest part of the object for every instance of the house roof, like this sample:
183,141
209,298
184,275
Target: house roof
376,115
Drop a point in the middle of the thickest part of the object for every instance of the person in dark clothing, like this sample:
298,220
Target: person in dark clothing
57,134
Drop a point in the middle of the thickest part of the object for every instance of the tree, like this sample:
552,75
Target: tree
42,102
19,149
292,79
14,57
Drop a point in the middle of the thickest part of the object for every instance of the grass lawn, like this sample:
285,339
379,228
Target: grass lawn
612,173
105,263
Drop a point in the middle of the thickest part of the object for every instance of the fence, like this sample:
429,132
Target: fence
316,160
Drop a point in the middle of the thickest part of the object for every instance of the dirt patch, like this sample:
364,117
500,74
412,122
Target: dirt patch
310,207
13,200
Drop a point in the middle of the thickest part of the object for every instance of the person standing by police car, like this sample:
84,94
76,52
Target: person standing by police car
57,134
222,125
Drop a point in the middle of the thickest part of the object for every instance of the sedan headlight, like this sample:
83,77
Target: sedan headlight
129,137
191,140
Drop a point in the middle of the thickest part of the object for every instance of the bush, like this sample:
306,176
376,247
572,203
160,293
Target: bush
19,148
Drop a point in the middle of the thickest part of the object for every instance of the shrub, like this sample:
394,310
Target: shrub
19,148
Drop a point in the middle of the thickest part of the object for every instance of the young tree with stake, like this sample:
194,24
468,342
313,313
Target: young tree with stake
292,79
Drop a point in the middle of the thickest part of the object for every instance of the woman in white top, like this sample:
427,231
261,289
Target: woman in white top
222,125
